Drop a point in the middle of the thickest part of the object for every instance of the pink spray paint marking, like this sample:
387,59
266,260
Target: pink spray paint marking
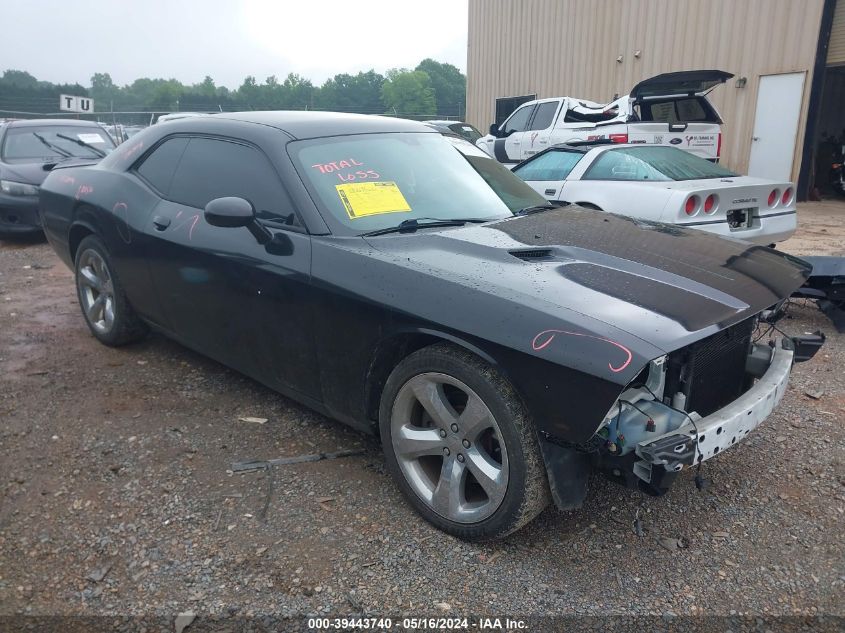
189,221
191,230
84,190
544,339
68,180
134,149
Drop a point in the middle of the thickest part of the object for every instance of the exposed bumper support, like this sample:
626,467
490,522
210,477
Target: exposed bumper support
703,438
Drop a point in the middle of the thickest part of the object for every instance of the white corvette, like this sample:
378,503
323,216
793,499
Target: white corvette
664,184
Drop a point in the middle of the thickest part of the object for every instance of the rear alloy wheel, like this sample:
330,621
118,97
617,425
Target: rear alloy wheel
460,444
107,312
96,292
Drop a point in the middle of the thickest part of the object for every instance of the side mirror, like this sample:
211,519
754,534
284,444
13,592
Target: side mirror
234,212
494,130
229,212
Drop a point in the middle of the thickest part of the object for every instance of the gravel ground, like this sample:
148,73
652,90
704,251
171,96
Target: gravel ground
118,498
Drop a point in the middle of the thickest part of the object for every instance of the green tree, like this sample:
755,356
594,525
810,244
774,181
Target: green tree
450,87
297,93
248,94
104,91
20,79
408,93
206,88
351,93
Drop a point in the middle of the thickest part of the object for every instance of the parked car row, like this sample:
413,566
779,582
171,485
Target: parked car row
501,346
28,150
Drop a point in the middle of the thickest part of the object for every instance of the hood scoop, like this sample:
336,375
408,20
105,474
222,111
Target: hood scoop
533,254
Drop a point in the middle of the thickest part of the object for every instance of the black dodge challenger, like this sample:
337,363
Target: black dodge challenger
407,284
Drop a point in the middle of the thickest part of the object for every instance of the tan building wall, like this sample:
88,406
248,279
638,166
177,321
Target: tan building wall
570,47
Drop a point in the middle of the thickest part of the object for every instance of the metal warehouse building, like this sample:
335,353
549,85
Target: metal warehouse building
781,111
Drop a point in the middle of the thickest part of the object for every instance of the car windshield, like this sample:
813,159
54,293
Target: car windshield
369,182
466,130
28,144
553,165
653,164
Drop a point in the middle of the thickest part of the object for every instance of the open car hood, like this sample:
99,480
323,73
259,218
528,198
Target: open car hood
685,83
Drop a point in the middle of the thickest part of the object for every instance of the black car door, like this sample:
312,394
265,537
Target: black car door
223,293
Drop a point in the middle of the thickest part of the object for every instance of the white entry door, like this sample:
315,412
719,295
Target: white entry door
776,126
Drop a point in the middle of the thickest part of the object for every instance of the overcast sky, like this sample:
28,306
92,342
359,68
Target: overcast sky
68,41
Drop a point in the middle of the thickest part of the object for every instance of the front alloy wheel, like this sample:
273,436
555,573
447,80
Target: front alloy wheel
449,447
460,444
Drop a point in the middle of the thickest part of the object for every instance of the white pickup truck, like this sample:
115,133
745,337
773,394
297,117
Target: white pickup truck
669,109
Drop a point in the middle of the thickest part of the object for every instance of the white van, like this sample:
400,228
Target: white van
669,109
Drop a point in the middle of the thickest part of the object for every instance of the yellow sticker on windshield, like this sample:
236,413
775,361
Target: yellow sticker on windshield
371,198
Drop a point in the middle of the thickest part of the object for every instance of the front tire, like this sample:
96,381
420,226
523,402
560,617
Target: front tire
460,444
104,305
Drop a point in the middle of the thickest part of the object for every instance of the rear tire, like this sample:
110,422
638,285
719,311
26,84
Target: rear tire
105,308
460,444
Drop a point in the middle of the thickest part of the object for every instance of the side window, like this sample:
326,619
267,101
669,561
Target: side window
519,121
158,168
554,165
545,115
212,168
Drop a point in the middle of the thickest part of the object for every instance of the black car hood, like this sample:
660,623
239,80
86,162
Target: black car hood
666,286
29,173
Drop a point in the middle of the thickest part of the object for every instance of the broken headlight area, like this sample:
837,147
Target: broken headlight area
687,406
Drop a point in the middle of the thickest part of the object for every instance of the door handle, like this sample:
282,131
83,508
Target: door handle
755,138
161,222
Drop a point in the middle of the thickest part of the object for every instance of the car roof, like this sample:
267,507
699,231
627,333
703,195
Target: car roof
43,122
310,124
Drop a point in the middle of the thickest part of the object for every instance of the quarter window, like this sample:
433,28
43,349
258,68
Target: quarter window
158,168
214,168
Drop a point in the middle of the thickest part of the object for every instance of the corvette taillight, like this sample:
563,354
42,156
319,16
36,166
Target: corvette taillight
787,196
692,205
773,197
710,204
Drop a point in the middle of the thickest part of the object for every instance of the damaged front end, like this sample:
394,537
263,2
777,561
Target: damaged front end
688,406
696,402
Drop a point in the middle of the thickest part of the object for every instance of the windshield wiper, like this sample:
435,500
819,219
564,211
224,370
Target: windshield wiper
537,208
99,152
409,226
55,148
